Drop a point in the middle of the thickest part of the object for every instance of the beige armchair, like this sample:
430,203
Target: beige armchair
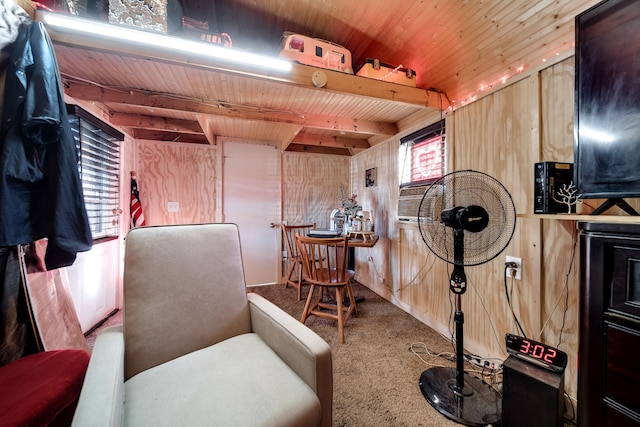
196,348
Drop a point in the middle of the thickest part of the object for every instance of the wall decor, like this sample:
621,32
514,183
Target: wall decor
370,177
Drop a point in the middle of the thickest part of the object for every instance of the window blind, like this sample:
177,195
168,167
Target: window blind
98,148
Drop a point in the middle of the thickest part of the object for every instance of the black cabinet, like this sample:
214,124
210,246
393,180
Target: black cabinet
609,349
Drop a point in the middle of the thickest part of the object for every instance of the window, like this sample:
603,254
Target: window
98,148
421,158
296,43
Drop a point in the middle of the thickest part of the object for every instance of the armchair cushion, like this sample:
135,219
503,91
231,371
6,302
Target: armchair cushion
238,382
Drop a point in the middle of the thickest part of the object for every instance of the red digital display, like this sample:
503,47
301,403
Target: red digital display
549,356
538,351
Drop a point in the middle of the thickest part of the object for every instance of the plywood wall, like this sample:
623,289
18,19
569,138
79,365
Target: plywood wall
187,174
502,134
310,186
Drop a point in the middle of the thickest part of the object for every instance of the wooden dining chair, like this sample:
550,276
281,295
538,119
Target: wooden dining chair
293,256
325,264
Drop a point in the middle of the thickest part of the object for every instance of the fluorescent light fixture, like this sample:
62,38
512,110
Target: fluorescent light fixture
144,38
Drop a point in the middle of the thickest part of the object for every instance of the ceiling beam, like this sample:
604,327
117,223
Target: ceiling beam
329,141
155,123
207,128
299,148
153,135
367,87
90,92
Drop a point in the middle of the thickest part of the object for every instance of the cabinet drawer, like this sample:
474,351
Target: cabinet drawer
625,280
622,373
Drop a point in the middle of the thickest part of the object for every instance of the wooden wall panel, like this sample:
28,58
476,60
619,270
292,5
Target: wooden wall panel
502,134
310,186
560,252
494,135
556,111
183,173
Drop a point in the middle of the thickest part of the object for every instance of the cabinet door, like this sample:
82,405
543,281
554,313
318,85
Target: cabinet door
608,378
625,280
622,390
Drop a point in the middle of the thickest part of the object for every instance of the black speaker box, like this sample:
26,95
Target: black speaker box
549,178
531,395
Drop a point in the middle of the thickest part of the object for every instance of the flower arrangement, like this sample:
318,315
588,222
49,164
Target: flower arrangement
348,203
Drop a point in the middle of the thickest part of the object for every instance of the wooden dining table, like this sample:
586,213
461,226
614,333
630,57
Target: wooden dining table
362,240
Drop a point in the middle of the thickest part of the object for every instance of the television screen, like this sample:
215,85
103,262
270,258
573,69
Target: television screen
607,100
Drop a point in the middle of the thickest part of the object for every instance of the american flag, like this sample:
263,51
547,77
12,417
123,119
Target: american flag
137,216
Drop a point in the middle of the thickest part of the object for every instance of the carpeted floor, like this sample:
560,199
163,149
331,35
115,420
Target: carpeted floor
376,374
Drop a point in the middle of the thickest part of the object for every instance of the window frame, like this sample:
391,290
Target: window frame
410,146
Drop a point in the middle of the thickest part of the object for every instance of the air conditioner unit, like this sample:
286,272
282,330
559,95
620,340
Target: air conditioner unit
409,202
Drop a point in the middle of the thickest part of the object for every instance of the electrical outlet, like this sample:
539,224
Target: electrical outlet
370,259
514,267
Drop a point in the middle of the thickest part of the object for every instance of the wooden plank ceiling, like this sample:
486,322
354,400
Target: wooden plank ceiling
457,48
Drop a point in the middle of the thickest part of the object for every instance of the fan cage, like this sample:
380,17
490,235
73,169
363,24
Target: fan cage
463,189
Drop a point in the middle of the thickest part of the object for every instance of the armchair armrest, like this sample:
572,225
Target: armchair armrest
301,348
102,397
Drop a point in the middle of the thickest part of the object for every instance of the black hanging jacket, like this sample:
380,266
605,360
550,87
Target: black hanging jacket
40,188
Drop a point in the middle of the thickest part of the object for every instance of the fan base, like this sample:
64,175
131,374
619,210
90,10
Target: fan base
477,404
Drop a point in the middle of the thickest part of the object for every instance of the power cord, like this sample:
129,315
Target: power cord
571,417
484,307
507,266
566,295
491,376
446,355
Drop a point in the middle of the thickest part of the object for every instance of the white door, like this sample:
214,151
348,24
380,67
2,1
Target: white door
251,199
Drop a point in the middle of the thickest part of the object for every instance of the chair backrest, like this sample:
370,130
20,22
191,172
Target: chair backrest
184,289
289,232
324,259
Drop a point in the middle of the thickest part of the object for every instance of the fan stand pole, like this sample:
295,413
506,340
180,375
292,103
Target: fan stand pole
458,318
457,395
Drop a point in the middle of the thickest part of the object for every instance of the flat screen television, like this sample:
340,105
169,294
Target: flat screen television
607,103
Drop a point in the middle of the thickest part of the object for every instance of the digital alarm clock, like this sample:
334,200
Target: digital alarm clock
536,352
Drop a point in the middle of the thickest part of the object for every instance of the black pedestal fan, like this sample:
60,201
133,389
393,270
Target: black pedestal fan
465,218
